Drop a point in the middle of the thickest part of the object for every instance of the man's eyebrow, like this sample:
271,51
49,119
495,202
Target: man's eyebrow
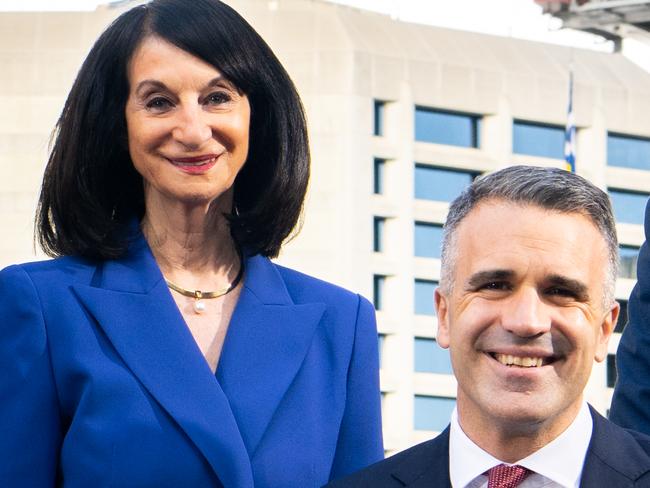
580,289
482,277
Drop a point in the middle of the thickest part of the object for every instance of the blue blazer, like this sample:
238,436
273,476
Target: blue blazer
616,458
631,400
102,383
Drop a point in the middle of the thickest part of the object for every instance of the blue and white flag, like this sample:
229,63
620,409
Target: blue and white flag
570,132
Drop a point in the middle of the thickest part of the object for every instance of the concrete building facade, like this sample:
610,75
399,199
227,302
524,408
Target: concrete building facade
401,117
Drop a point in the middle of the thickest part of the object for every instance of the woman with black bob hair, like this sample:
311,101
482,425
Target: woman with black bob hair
161,347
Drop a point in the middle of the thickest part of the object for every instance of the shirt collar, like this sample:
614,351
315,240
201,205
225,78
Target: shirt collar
561,460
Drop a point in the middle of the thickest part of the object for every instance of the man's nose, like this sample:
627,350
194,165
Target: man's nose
525,314
192,129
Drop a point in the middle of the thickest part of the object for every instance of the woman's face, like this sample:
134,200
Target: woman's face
187,126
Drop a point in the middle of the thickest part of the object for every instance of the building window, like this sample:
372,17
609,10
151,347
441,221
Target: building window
378,228
442,127
432,413
628,257
611,370
622,316
381,338
629,206
379,115
440,184
430,357
423,297
628,151
428,240
378,291
537,139
379,169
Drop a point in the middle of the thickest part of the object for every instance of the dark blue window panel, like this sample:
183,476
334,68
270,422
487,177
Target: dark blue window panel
451,128
379,224
621,322
629,207
379,168
628,152
380,343
378,285
440,184
430,357
538,139
423,297
428,240
379,115
432,413
628,257
611,371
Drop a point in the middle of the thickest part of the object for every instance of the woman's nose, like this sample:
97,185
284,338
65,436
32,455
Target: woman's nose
192,129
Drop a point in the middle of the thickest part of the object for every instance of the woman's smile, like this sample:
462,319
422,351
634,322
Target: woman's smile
195,165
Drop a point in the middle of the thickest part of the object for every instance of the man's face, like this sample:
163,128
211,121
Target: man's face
525,319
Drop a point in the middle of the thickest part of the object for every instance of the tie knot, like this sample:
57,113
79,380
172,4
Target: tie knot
503,476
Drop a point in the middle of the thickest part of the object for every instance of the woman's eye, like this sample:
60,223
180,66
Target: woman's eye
217,98
158,104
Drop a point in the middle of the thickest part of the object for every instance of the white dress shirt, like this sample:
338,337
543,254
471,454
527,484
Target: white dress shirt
556,465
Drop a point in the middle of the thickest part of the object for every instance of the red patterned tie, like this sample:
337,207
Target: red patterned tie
503,476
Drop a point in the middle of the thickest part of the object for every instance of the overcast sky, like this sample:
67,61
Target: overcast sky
516,18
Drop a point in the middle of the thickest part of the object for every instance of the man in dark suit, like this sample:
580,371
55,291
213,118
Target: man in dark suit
525,305
631,401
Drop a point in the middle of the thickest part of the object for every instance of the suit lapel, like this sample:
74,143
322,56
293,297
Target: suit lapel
136,311
428,465
614,457
267,341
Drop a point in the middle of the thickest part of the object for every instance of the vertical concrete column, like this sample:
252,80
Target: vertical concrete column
591,149
496,134
399,404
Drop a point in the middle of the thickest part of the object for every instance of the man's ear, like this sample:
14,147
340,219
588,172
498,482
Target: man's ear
605,332
442,312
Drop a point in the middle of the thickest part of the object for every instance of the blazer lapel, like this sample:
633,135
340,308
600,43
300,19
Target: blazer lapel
136,311
267,340
428,466
614,457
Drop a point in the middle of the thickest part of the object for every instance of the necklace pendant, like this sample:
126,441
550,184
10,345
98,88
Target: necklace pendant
199,306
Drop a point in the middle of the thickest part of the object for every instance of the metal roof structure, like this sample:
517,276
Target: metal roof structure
612,19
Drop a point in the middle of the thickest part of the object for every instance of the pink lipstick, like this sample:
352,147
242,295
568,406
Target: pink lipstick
196,164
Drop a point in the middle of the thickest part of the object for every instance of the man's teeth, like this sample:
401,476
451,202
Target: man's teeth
526,362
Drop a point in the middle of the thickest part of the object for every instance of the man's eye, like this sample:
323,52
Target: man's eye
560,292
158,104
495,285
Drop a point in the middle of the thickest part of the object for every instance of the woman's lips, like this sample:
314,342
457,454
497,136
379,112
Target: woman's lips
195,164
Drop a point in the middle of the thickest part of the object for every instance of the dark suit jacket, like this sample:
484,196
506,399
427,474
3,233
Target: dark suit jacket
102,383
631,401
617,458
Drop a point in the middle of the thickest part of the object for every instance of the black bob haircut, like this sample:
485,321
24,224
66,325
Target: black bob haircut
91,193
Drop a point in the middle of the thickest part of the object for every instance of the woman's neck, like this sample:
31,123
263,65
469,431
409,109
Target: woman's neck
190,243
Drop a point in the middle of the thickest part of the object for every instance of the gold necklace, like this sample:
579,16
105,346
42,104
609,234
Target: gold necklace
198,295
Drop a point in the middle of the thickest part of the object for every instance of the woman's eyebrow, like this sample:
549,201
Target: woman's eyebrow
149,84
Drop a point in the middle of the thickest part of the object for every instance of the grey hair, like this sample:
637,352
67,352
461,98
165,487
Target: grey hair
548,188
